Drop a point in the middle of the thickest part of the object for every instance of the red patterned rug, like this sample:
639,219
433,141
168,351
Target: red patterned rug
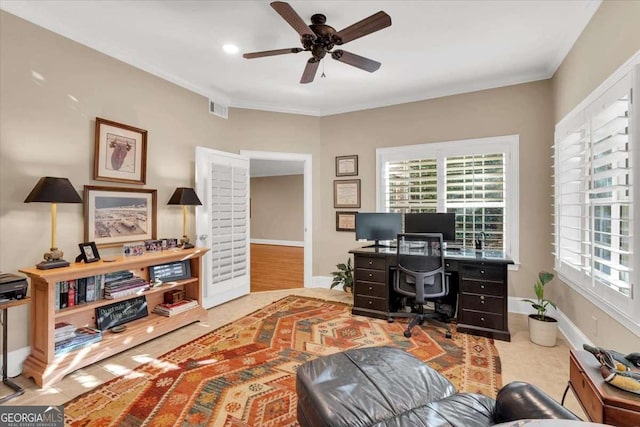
243,374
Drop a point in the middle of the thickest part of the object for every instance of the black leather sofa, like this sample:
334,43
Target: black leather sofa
385,386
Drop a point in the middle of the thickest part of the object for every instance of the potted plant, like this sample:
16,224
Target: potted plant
344,276
542,328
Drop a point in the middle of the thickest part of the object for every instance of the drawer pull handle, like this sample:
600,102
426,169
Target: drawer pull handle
370,275
482,319
370,302
481,286
370,262
482,297
370,288
482,302
481,271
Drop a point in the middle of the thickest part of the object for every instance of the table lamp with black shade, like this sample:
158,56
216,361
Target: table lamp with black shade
53,190
186,197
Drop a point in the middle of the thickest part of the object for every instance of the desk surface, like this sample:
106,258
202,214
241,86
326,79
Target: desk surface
463,254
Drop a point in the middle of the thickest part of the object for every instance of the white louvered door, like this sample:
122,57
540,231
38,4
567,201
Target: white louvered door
222,224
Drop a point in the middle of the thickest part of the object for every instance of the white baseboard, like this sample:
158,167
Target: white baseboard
321,282
571,332
277,242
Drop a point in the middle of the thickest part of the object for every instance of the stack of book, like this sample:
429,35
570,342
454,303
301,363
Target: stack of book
168,310
81,337
63,330
122,284
73,292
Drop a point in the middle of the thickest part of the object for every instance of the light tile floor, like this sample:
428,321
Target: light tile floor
548,368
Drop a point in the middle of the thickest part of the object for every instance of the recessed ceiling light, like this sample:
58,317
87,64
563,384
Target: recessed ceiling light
230,48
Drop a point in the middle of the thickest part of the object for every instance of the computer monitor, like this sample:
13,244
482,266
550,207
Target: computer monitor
378,226
444,223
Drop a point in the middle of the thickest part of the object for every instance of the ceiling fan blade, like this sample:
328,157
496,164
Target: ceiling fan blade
310,70
369,25
356,60
271,52
292,18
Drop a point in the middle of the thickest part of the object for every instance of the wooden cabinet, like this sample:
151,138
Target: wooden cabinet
46,368
370,290
601,402
482,308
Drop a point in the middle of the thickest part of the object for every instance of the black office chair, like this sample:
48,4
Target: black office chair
420,275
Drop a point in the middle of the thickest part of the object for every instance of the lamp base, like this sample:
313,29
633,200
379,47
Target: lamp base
55,263
184,243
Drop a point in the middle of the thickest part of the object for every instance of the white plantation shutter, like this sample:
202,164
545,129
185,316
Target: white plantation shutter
229,228
412,186
475,179
475,192
593,195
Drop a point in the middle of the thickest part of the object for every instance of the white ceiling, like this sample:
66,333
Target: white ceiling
432,49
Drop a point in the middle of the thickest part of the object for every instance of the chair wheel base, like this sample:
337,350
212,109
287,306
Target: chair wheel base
407,334
447,334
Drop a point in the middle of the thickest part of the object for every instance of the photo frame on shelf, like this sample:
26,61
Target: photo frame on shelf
346,193
116,215
88,252
120,153
347,165
345,221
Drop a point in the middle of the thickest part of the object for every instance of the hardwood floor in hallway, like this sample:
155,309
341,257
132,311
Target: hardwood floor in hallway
276,267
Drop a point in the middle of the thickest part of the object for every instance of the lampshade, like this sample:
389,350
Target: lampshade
53,190
184,196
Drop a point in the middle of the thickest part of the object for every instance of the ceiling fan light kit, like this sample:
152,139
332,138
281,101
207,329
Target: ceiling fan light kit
320,38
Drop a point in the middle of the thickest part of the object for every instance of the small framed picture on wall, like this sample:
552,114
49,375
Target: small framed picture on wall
346,221
346,193
347,165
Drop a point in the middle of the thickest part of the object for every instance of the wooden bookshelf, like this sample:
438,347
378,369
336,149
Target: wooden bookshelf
46,368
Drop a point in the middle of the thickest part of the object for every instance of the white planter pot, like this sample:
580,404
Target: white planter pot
543,332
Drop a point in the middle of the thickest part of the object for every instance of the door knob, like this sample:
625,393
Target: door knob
202,237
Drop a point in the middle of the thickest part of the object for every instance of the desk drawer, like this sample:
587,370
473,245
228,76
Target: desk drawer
482,287
369,262
485,303
585,393
480,271
370,275
370,289
482,319
371,303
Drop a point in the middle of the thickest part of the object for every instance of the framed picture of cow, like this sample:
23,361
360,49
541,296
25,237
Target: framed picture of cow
120,153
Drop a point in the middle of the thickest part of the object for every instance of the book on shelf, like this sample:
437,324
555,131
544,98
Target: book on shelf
169,310
126,292
82,337
71,293
63,330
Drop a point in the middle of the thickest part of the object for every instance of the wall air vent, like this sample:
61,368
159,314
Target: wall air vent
219,109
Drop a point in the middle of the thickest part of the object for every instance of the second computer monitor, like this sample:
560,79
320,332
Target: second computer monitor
444,223
377,226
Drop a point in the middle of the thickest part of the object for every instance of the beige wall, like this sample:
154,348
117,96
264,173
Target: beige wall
277,208
522,109
610,39
44,133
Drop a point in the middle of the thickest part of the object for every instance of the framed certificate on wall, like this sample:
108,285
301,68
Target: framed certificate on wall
347,165
346,193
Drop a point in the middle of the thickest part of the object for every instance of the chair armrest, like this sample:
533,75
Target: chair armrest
519,400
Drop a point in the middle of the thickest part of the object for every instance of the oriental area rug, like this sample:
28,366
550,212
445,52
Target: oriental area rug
243,374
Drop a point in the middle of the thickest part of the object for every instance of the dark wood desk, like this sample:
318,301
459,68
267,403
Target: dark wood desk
603,403
478,276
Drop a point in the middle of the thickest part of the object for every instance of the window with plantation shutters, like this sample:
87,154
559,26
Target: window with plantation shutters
475,179
594,175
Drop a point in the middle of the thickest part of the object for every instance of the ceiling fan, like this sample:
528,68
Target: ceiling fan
320,38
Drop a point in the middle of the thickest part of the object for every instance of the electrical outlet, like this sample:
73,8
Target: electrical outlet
594,326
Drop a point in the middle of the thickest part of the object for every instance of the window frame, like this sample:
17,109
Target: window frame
508,144
625,310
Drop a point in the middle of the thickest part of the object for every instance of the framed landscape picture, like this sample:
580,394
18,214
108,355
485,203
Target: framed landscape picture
114,215
120,153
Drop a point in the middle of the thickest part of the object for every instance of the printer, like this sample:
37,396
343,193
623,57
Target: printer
12,286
